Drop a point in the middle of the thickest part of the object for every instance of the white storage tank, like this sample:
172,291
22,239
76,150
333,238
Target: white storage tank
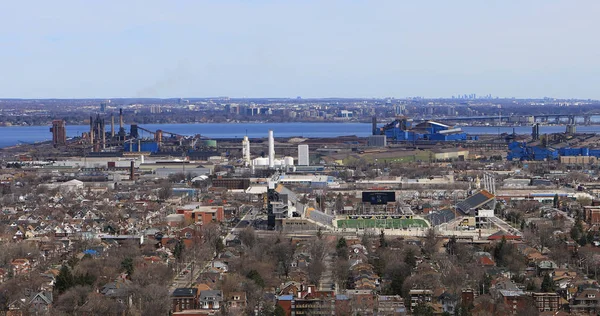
260,161
288,161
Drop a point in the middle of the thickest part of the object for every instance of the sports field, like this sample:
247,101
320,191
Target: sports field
381,223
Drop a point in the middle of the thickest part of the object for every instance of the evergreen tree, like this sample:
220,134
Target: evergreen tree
382,241
499,251
85,279
582,240
397,281
279,311
547,284
530,286
577,229
127,266
410,259
423,310
556,202
64,280
178,251
256,277
451,246
320,233
342,248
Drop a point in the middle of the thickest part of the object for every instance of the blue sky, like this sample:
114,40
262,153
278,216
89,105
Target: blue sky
285,48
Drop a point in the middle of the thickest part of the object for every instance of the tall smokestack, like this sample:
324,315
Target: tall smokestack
271,149
374,127
131,171
92,132
120,119
246,150
103,134
112,125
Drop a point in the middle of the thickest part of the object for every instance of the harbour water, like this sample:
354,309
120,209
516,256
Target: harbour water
14,135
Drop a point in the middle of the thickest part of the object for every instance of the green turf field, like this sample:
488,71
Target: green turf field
381,223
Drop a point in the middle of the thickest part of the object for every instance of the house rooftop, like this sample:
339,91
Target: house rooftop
185,292
204,295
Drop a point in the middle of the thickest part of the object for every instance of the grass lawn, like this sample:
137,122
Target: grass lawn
381,223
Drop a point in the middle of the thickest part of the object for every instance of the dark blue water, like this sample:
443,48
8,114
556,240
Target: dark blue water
13,135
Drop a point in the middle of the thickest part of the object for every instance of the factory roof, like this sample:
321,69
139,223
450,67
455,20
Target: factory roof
442,216
420,125
477,200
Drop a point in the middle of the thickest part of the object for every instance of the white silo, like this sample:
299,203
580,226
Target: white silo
246,150
271,149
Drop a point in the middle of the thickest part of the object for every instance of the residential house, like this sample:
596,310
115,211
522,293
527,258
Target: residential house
20,266
418,296
184,299
586,301
310,301
219,266
236,301
209,278
546,301
211,299
40,303
546,267
448,302
198,214
514,300
118,290
362,301
390,305
591,214
467,297
484,259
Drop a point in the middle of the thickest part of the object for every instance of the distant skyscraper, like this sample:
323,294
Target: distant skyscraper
303,155
103,107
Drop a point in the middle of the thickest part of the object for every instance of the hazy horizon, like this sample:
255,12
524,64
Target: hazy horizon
312,49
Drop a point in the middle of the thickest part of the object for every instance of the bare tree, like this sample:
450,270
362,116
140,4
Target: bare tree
74,297
165,191
341,272
248,237
284,255
149,274
152,300
431,241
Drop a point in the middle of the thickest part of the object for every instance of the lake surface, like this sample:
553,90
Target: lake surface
13,135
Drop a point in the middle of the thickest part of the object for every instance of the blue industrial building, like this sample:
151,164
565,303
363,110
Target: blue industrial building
522,151
144,146
402,130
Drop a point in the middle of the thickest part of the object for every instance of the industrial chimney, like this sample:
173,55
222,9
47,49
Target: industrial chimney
103,134
112,125
92,132
120,119
271,149
131,171
374,127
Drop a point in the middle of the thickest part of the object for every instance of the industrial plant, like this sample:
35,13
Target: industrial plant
403,130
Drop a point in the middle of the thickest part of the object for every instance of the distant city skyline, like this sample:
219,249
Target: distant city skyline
312,49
